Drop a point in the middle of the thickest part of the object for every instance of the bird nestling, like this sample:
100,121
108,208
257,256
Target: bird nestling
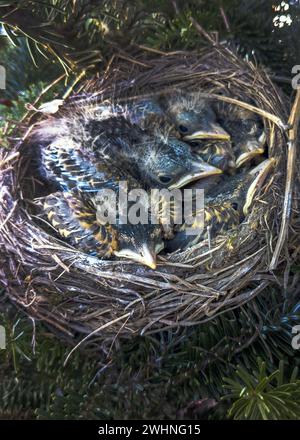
157,161
217,153
226,206
246,131
77,224
192,116
76,211
154,160
74,217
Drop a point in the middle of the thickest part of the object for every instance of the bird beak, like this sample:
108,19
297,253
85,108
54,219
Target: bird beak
245,157
212,130
255,148
159,247
144,256
260,172
147,257
200,170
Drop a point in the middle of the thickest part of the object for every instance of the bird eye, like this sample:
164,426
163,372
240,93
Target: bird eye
235,206
183,128
165,179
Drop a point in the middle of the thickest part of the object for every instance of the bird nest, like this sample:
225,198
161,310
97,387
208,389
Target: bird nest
91,300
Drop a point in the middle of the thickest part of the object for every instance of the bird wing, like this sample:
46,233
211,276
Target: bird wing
76,221
73,168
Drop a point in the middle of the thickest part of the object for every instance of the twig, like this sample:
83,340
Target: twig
9,158
126,57
95,332
294,120
108,66
157,51
71,88
45,90
281,79
247,106
225,19
202,31
174,3
9,215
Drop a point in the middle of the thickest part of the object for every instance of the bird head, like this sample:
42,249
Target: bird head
171,164
246,130
217,153
140,243
249,137
193,117
250,148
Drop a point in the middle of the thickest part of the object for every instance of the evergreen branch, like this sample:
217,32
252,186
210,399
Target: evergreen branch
262,396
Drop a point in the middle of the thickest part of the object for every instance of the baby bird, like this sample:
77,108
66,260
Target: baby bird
75,219
196,121
225,207
216,219
78,211
246,130
217,153
192,116
105,133
155,161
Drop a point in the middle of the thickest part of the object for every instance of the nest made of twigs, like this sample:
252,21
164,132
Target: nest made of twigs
80,295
